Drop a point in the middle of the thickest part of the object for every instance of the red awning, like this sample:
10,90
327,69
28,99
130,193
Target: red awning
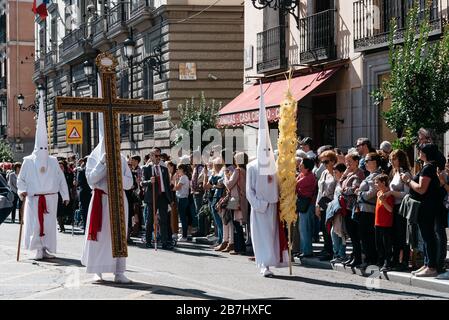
245,107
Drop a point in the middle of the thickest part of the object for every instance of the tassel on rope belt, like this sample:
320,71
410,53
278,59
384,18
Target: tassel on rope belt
96,215
41,209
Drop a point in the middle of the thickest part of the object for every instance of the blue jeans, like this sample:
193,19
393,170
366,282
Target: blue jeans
183,211
217,220
338,246
306,224
198,201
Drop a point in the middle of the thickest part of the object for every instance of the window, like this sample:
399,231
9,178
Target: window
384,132
148,93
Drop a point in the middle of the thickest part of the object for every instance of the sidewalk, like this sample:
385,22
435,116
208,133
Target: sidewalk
405,278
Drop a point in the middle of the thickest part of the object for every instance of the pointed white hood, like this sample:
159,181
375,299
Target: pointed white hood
99,150
265,154
41,140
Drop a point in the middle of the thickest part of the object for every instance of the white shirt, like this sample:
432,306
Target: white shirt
158,173
184,191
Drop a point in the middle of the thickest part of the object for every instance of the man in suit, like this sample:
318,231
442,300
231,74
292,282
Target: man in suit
156,175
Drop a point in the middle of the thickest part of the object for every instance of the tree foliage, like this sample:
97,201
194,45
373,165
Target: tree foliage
418,81
201,110
6,154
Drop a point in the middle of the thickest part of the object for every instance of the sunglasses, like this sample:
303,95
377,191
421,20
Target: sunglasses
157,155
325,161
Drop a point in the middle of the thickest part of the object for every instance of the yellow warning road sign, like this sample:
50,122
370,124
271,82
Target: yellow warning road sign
74,129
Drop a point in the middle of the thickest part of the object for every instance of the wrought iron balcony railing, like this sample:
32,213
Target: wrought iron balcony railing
317,37
117,15
74,38
98,29
372,20
271,53
51,58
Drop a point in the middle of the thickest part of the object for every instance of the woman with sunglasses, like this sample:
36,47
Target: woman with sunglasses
326,188
366,205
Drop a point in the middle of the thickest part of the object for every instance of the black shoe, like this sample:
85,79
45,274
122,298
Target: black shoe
348,261
302,255
167,247
353,264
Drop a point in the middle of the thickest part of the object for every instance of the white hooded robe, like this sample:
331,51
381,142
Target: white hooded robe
263,197
34,182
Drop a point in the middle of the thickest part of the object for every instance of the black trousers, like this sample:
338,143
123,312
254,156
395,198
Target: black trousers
164,221
239,239
440,232
326,236
384,244
399,237
14,207
353,231
367,236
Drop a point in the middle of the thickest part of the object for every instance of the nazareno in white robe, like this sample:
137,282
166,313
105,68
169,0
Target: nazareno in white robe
32,181
263,198
97,255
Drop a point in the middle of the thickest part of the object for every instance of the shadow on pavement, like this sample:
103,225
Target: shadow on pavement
161,290
352,286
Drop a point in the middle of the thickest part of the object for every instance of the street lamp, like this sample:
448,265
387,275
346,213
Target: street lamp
284,7
34,106
129,45
88,68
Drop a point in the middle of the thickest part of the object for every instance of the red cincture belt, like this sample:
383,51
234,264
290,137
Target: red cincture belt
41,209
96,215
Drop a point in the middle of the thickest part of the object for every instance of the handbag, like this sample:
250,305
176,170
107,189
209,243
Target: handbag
228,216
302,204
234,201
324,201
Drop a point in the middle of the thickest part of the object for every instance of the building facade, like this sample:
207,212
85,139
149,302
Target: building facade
182,48
16,66
338,51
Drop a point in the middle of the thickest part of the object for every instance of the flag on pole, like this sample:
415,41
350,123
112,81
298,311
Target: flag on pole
40,8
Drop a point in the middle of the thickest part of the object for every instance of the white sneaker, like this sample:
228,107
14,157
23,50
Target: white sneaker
182,239
47,255
121,278
39,254
98,277
267,273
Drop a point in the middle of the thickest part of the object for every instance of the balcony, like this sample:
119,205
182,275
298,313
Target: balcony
117,18
38,68
372,20
74,44
98,33
271,50
140,13
51,59
317,37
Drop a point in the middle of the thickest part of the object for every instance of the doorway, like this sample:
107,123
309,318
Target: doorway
324,111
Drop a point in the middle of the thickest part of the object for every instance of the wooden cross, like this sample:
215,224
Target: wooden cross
111,107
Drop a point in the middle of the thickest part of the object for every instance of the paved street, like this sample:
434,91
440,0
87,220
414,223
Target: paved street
191,271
